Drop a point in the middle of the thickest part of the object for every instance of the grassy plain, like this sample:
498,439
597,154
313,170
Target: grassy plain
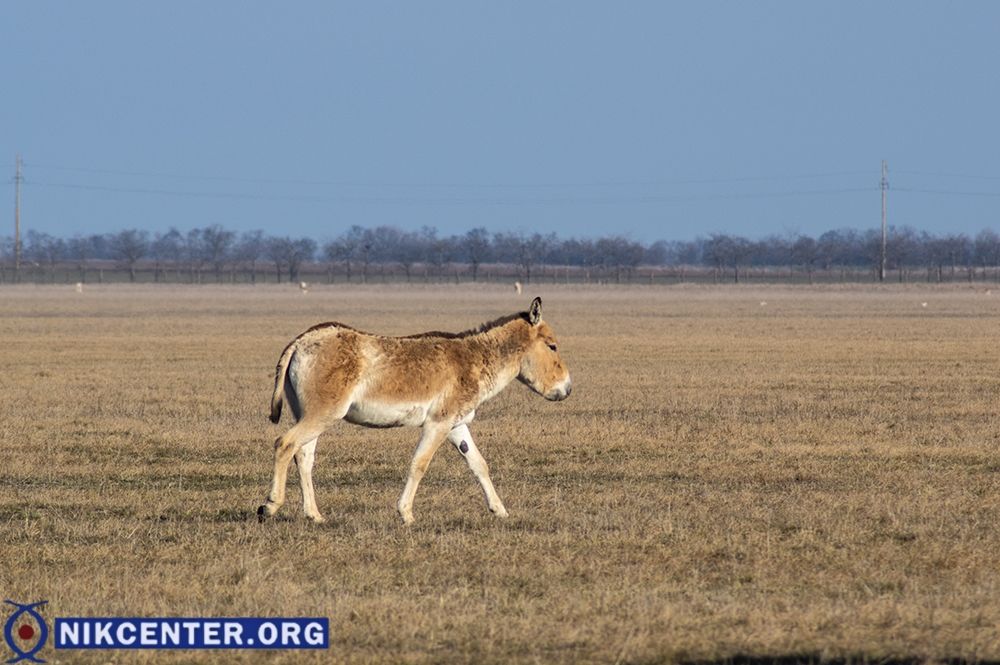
817,476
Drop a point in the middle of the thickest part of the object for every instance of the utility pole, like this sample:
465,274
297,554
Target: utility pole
885,233
17,220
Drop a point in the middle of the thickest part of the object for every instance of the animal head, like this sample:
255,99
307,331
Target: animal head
542,369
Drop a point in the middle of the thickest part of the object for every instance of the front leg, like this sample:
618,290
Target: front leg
461,438
431,438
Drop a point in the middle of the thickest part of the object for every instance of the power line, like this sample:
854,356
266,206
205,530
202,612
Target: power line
398,200
344,183
444,185
945,192
936,174
504,200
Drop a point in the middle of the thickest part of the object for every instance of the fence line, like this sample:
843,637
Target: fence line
102,271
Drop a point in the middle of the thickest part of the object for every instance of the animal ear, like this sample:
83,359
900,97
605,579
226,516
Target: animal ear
535,312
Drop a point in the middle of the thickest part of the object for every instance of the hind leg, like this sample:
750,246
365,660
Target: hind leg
286,446
304,459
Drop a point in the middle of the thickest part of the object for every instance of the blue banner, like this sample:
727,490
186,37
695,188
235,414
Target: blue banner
191,633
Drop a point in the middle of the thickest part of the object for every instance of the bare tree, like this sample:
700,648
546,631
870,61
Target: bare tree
249,249
194,253
290,253
524,251
129,246
903,248
725,250
828,249
45,250
959,249
476,246
411,251
618,253
987,250
438,251
805,253
385,244
657,254
336,252
6,254
167,249
345,248
217,244
80,248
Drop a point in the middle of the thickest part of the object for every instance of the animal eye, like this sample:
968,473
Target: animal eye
552,346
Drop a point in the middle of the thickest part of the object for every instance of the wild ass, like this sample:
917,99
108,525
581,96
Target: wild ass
433,380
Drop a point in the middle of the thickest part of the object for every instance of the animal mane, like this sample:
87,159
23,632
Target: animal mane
441,334
481,328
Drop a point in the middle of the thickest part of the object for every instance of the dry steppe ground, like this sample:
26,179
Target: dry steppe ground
817,476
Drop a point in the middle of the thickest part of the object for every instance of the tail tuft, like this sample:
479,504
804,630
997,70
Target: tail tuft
279,381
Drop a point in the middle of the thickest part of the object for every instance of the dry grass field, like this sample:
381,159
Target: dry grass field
815,477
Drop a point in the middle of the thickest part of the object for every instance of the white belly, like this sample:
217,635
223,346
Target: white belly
375,414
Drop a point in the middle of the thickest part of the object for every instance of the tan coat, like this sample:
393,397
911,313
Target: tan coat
434,381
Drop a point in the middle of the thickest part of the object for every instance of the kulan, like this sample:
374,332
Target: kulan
434,381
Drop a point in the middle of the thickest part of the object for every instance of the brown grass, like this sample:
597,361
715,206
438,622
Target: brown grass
818,476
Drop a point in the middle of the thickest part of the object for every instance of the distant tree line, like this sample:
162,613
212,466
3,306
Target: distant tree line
386,253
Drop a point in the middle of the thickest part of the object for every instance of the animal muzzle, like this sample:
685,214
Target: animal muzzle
560,392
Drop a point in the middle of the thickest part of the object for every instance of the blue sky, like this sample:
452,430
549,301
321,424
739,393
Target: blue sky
648,119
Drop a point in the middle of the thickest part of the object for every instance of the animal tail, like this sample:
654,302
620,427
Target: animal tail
279,381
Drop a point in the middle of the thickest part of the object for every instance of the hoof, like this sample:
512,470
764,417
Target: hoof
262,513
405,512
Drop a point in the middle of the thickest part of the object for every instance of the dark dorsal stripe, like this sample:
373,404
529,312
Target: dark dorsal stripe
438,334
485,327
